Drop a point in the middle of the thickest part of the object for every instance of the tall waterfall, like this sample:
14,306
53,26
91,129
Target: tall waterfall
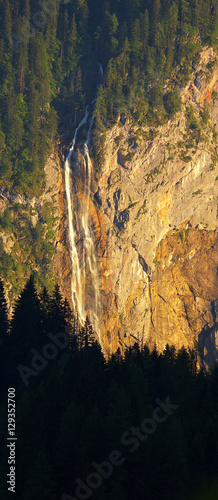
85,288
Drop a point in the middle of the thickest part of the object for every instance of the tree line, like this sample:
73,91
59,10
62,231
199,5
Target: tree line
147,421
144,45
48,70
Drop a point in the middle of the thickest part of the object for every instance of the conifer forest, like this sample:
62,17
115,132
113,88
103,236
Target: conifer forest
77,422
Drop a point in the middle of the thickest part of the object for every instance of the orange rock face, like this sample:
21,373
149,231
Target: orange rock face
184,288
154,224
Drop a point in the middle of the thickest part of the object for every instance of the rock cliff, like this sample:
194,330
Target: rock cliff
154,215
156,200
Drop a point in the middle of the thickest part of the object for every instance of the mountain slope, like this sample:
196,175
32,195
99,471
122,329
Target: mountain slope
157,199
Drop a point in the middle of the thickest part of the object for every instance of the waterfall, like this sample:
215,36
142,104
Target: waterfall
101,73
85,287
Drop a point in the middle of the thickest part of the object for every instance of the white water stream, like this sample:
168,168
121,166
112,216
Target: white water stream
81,238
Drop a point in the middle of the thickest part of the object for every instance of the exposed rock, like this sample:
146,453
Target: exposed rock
154,212
184,284
34,218
208,346
120,159
8,241
160,217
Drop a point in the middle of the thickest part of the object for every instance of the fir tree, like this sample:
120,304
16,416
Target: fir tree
26,324
7,19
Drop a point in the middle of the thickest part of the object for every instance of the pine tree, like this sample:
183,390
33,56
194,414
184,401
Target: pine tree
26,324
126,58
26,9
136,44
144,23
155,19
69,317
71,49
171,35
45,301
99,115
57,321
7,19
86,336
22,65
113,28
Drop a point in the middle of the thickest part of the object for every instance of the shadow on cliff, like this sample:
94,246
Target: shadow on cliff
207,344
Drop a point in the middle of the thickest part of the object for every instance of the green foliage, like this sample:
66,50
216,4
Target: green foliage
205,115
142,210
32,246
199,191
156,261
172,102
118,139
157,114
214,95
128,156
193,129
150,44
6,219
184,157
100,110
47,72
182,235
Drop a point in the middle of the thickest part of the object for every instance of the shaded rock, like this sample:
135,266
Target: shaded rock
120,159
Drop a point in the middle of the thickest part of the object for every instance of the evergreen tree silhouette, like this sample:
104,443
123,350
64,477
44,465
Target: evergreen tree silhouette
45,301
57,320
26,324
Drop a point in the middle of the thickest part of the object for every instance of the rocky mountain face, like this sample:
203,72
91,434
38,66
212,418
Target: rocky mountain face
154,211
154,216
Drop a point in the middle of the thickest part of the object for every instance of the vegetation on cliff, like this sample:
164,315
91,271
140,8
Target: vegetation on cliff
149,49
73,409
27,241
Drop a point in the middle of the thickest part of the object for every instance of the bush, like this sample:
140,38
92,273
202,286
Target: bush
6,219
205,115
192,126
172,102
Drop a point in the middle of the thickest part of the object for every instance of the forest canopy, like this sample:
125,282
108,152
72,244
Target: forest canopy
48,67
